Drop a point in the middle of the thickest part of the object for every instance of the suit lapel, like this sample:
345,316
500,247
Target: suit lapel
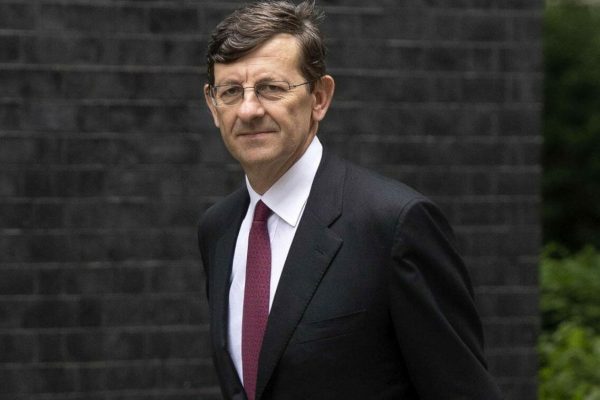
312,251
223,261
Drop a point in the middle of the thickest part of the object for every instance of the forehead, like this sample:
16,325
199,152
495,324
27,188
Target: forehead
278,56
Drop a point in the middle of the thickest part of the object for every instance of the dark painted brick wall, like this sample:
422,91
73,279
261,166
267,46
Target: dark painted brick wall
108,157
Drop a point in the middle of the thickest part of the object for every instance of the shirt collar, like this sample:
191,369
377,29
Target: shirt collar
288,195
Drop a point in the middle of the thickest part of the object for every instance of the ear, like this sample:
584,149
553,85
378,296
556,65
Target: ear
323,94
211,105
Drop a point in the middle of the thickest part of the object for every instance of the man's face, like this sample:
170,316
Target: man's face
268,137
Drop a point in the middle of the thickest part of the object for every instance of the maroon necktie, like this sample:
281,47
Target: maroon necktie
256,296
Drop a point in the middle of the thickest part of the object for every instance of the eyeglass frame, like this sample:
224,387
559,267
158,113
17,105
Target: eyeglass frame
212,89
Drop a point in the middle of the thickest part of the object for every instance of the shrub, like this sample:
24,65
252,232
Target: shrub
569,346
570,359
570,288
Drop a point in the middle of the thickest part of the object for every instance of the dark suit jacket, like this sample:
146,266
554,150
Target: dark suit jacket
374,302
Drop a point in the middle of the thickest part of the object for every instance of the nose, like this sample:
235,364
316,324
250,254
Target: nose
250,107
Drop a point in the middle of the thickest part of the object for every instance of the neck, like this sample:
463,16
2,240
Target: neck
262,178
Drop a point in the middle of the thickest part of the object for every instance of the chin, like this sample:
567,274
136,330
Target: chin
255,158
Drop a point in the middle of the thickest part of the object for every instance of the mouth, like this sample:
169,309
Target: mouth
253,134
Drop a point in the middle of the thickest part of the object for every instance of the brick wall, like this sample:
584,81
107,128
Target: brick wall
108,157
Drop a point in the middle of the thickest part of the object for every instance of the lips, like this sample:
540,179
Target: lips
255,133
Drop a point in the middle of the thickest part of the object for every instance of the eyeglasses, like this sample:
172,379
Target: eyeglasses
272,91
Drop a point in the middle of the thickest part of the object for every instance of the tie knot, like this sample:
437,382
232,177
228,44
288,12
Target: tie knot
261,211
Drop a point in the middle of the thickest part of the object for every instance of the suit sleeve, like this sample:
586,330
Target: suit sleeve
434,315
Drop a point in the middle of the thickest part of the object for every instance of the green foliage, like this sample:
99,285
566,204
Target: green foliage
570,344
570,359
570,288
571,153
570,284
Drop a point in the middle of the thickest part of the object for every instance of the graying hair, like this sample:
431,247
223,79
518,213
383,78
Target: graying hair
252,25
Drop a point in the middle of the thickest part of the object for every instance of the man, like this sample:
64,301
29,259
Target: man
324,280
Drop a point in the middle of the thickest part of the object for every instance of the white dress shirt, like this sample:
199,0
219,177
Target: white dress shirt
286,198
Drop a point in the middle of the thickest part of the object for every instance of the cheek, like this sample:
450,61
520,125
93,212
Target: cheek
225,123
299,115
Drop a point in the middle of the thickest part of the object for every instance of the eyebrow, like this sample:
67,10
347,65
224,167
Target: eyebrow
268,78
228,82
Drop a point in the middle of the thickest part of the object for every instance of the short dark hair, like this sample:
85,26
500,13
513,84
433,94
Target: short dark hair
252,25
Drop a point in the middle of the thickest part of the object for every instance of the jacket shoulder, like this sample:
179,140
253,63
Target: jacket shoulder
224,212
378,190
371,198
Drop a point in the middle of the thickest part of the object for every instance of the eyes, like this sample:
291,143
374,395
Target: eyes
272,89
268,90
230,94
